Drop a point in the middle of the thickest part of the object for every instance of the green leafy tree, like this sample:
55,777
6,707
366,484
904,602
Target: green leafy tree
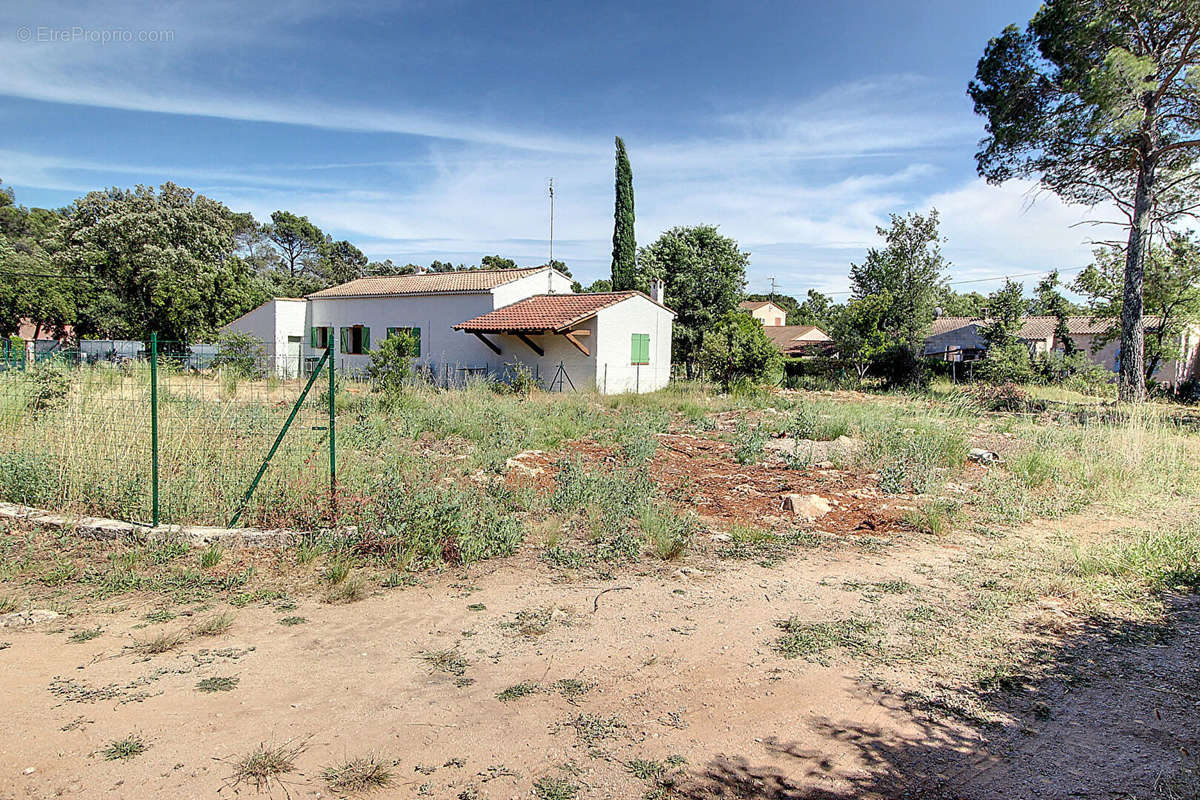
560,266
737,349
156,261
1006,310
817,309
704,274
960,304
908,273
624,253
1100,100
390,369
29,238
496,262
1049,302
860,334
299,241
1008,359
445,266
598,285
1171,292
388,267
341,262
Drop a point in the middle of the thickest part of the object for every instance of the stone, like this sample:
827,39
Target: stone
807,506
981,456
31,617
721,537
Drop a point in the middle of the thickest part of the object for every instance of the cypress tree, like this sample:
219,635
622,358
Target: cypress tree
624,254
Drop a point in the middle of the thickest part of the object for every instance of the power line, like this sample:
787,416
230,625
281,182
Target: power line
977,280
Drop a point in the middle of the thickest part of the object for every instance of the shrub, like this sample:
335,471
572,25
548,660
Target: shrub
390,369
1002,397
49,383
738,348
26,479
748,443
240,355
1008,363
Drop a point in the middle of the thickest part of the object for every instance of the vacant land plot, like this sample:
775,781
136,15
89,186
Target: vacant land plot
781,596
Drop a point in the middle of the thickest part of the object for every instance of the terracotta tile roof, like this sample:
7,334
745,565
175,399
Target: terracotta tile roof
468,280
789,333
544,312
754,305
1036,327
786,337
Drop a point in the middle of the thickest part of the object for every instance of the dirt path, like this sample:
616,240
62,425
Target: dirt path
669,662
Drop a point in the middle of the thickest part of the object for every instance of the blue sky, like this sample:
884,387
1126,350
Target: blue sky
424,130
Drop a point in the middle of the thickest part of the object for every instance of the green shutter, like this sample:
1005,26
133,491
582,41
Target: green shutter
639,348
416,332
312,337
366,339
344,337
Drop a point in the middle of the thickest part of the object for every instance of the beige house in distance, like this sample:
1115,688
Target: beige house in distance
765,312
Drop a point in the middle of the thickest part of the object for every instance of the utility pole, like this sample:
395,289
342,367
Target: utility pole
552,220
773,288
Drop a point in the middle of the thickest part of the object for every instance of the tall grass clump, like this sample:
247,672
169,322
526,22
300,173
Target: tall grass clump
912,459
667,532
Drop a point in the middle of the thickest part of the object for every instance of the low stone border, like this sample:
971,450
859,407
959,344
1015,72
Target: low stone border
195,535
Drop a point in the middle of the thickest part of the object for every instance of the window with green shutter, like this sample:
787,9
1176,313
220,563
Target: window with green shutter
355,340
319,336
639,349
413,332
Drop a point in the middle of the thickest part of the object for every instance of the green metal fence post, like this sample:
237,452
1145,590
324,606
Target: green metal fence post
316,373
154,429
332,442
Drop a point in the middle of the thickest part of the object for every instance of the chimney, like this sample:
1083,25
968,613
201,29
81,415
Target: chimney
656,290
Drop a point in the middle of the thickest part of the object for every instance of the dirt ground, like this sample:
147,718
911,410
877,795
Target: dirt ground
659,663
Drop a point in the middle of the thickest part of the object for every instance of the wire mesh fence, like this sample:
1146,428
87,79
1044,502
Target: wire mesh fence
171,433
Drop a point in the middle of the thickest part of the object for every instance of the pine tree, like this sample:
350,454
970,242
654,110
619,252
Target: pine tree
624,254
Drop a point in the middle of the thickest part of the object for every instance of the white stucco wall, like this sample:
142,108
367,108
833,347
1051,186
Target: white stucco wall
580,368
615,326
433,314
272,323
545,282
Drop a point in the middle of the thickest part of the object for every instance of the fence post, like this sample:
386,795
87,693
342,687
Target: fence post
332,444
154,429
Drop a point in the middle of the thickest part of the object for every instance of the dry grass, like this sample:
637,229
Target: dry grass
214,625
162,642
358,775
264,766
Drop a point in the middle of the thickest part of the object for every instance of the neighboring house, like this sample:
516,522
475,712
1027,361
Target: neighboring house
960,339
799,341
279,325
30,331
765,312
483,322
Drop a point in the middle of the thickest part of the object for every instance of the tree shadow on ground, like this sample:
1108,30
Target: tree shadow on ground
1110,710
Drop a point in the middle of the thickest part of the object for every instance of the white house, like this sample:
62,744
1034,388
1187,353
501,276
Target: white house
483,322
279,325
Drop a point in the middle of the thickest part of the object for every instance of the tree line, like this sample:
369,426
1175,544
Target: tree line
120,263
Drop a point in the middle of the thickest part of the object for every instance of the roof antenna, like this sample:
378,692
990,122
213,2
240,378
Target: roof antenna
550,263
